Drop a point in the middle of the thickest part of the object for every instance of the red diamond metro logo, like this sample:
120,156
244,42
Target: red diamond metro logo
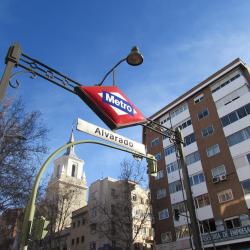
111,105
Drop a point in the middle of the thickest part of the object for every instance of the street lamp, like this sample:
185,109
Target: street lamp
16,58
134,58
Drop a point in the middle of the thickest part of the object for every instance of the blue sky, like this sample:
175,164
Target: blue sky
183,42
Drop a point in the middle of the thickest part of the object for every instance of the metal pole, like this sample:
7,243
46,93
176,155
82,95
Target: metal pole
11,61
190,203
30,209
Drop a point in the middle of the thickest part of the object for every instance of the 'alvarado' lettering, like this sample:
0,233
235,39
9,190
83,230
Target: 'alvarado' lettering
117,102
111,137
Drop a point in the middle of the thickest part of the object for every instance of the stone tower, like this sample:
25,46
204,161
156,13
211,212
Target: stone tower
67,188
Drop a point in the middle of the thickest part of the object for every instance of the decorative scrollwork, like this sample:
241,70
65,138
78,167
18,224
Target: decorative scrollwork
65,82
50,74
17,83
42,70
33,65
14,86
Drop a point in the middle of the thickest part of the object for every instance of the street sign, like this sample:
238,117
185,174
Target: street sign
110,136
111,105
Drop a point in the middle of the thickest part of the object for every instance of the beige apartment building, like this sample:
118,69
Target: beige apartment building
117,217
214,118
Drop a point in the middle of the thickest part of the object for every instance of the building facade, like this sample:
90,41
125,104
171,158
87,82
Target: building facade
214,118
117,217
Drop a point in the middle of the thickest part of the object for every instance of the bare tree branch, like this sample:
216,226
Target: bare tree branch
19,158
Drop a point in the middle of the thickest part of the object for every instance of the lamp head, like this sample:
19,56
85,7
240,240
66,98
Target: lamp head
134,58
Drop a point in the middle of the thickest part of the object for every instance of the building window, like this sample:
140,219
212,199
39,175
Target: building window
83,221
163,121
166,237
192,158
92,245
236,94
182,231
213,150
134,197
112,192
82,239
113,243
232,222
196,179
235,115
113,209
189,139
180,206
248,158
169,150
207,226
163,214
161,193
160,174
93,212
220,85
73,170
74,224
78,223
207,131
202,114
198,98
175,186
77,240
224,196
184,124
93,228
155,142
158,156
58,171
219,171
178,110
238,137
201,201
246,186
173,166
72,242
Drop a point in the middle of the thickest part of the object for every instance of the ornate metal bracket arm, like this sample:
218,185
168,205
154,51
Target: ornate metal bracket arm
40,69
164,131
16,58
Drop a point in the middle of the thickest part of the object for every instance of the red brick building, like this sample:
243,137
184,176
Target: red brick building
214,118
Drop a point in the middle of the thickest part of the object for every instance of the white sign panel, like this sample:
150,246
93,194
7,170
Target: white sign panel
110,136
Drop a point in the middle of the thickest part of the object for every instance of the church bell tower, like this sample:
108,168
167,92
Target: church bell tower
67,188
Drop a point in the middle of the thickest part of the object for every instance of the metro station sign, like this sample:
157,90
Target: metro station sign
111,105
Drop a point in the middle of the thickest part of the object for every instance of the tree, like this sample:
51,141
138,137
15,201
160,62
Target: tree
126,219
57,209
22,146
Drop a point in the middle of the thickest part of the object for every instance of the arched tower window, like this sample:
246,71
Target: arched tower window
73,170
58,171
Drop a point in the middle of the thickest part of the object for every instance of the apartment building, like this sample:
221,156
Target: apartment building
214,118
117,214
